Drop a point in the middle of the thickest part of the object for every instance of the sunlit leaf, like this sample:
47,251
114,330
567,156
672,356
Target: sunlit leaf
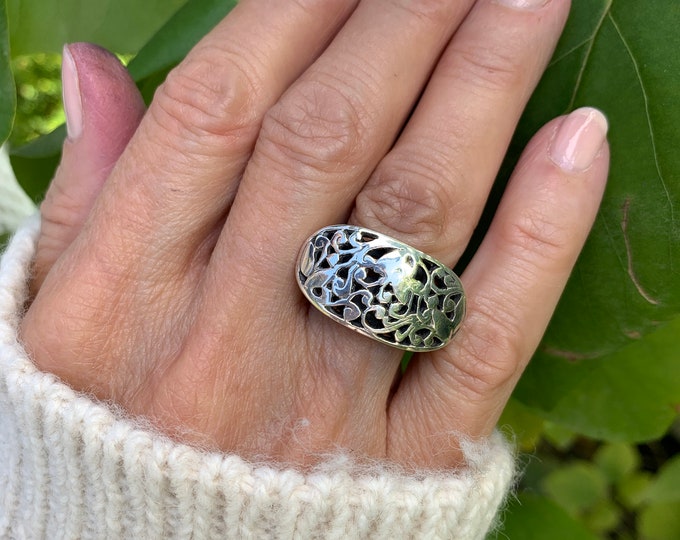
174,40
616,461
576,487
119,25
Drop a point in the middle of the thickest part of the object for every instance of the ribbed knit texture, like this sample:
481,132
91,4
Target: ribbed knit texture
71,467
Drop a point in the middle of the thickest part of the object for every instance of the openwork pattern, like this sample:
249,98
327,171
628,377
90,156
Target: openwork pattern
381,287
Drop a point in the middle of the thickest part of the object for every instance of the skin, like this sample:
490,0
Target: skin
164,277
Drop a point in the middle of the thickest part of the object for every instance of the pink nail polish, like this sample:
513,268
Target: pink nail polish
73,105
579,139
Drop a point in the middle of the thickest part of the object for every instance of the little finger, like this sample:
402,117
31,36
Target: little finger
513,284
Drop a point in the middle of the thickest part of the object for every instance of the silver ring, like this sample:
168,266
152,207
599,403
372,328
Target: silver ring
380,287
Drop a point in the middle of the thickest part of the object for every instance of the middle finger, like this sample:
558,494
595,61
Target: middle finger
321,141
431,188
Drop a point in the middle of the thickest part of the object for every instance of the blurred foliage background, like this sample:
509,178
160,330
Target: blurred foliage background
596,415
38,87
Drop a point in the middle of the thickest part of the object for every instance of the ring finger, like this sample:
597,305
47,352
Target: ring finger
431,188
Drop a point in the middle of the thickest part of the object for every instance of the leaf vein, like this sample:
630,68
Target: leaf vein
589,51
650,126
571,51
613,242
629,256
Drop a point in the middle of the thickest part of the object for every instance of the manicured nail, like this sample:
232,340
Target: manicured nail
73,104
523,4
579,140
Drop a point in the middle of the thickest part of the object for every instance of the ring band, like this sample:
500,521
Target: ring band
380,287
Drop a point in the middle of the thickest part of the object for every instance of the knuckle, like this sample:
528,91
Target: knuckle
60,210
407,200
533,236
206,102
491,352
492,66
52,333
316,126
430,10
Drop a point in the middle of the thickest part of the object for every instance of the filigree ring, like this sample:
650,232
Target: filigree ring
380,287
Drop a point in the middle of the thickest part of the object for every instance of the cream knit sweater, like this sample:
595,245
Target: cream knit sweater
71,467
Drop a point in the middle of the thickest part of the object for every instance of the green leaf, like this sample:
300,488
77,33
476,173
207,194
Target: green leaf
523,424
179,34
621,56
531,517
34,174
660,522
119,25
632,395
632,490
34,163
576,487
46,146
559,436
666,486
7,92
603,517
616,461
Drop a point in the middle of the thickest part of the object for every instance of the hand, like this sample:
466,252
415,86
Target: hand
164,278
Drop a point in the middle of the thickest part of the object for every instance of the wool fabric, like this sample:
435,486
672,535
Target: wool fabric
72,467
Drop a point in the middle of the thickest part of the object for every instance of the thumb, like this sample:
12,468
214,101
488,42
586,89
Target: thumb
103,109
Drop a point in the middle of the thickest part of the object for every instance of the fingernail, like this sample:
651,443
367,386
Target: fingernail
579,139
523,4
73,105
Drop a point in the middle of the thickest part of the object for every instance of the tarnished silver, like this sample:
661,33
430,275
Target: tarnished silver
381,287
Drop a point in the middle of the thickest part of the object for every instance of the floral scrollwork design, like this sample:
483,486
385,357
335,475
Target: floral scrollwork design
381,287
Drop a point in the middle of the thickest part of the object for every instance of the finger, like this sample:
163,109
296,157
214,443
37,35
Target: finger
513,284
324,137
184,164
431,188
103,108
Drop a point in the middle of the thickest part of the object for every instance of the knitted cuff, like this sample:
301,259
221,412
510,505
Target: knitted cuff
72,468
